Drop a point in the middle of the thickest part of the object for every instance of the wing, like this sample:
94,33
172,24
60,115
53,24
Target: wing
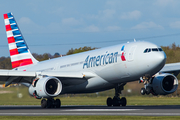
67,78
171,68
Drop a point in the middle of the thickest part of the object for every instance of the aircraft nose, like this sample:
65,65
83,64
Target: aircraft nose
156,62
160,59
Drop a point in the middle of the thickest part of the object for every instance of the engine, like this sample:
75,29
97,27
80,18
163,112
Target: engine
164,84
45,87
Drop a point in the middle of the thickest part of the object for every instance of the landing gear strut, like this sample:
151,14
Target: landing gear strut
147,85
50,103
116,101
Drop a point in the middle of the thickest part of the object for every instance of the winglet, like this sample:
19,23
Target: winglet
19,51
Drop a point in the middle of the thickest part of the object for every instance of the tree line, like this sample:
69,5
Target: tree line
172,52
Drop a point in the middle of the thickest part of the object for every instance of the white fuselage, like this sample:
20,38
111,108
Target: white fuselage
111,65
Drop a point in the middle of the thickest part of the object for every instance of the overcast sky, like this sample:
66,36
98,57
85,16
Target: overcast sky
58,25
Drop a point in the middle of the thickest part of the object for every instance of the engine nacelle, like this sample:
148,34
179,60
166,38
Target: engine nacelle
164,84
46,87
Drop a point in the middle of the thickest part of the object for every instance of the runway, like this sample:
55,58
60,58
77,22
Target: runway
167,110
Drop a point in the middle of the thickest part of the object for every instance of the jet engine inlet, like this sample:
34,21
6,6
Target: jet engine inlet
164,84
52,86
168,83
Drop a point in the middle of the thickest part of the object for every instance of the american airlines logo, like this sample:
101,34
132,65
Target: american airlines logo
99,60
123,54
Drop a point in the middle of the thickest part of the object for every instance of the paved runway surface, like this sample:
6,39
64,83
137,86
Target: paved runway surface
167,110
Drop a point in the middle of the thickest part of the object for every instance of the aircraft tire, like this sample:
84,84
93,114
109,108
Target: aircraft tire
58,103
109,101
49,103
43,103
148,90
123,101
143,91
116,101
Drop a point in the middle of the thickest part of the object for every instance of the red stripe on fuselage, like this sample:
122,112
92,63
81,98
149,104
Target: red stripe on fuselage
14,52
21,63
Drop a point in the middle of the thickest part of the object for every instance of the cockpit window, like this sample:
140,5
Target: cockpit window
155,49
160,49
145,51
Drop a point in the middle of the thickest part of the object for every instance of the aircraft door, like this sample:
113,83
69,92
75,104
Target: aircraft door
131,53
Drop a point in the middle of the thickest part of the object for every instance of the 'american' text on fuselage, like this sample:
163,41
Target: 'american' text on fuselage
100,60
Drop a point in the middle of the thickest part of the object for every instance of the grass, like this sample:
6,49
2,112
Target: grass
89,117
85,99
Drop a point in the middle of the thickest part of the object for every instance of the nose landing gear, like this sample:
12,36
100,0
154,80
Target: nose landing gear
147,85
146,91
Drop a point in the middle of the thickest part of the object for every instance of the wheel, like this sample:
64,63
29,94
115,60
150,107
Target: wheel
43,103
49,103
123,101
143,91
116,101
57,103
109,101
148,90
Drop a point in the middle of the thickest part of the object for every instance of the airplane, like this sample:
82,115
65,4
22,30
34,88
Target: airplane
87,72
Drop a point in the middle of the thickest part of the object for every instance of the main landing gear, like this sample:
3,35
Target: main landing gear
116,101
50,103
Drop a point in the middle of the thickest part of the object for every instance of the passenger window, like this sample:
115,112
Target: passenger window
145,51
155,49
